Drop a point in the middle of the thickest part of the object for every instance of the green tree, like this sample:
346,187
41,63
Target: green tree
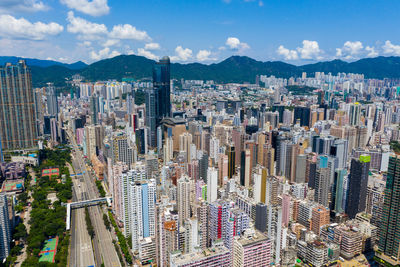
16,250
20,231
106,222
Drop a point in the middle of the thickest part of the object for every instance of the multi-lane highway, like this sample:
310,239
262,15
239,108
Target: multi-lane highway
81,244
85,188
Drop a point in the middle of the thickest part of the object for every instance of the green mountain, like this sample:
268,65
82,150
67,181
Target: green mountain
232,69
55,74
42,63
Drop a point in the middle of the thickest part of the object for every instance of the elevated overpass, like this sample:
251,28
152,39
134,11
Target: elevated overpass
81,204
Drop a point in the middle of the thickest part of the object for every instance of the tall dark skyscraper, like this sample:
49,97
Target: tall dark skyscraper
231,161
94,108
261,217
242,167
357,188
161,82
389,227
18,129
158,99
152,109
52,104
302,114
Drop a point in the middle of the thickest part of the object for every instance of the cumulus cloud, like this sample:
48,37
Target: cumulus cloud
309,50
85,29
13,28
130,32
204,55
371,51
111,42
235,44
152,46
391,49
39,49
287,54
104,53
22,6
350,50
145,53
182,54
93,8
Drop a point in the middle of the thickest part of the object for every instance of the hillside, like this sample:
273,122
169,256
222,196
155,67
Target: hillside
42,63
232,69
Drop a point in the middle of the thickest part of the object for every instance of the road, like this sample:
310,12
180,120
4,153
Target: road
81,244
102,242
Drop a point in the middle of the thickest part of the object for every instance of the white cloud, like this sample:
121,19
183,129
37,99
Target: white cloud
85,29
371,51
38,49
22,6
204,55
287,54
339,52
391,49
111,42
235,44
182,54
350,50
128,31
93,8
104,53
152,46
11,27
143,52
310,50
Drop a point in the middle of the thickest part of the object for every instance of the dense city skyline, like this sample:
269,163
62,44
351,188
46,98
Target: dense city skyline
160,159
297,32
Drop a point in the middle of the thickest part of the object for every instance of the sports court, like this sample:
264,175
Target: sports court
49,251
13,185
50,172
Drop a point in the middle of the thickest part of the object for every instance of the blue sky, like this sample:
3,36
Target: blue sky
206,31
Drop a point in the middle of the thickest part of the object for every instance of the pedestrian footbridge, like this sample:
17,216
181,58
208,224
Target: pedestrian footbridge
81,204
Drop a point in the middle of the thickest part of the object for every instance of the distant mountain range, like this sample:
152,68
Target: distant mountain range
42,63
233,69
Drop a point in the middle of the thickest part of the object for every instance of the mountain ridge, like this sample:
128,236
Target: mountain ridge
42,62
232,69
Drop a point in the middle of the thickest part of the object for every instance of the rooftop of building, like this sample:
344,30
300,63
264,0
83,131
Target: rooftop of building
170,225
173,121
251,237
217,249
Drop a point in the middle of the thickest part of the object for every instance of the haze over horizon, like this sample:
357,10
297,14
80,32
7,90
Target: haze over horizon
74,30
